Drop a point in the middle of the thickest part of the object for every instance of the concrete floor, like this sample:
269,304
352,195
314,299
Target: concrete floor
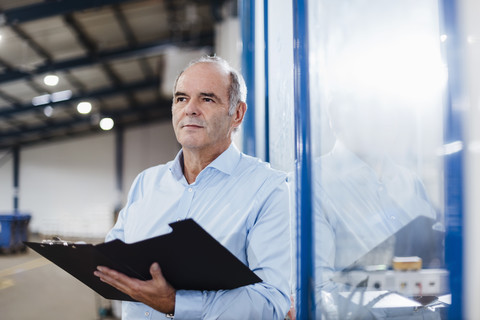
32,287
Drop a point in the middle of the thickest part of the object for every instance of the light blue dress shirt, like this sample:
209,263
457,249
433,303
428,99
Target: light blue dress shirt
242,203
355,210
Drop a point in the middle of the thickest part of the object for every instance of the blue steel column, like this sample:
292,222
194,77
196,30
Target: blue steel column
119,138
453,162
247,18
305,252
16,175
267,100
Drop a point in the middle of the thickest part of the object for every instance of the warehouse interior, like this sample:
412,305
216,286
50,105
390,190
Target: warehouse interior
85,106
118,60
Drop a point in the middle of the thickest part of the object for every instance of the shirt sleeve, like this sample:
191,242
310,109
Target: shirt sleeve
268,255
324,238
118,231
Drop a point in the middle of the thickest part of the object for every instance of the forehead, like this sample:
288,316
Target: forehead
204,77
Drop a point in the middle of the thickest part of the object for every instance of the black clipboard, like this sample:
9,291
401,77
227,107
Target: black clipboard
190,259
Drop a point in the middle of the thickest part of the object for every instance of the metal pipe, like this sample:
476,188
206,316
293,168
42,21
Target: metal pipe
119,152
454,219
305,305
247,18
267,100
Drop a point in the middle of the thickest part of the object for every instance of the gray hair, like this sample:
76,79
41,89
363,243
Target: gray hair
237,90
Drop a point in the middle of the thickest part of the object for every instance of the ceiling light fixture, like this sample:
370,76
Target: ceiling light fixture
54,97
51,80
39,100
84,107
61,95
106,124
48,111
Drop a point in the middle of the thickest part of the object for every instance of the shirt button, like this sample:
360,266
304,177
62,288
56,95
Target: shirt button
190,189
393,217
147,313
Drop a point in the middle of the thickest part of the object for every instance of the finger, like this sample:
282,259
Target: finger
156,273
105,273
114,278
105,270
159,279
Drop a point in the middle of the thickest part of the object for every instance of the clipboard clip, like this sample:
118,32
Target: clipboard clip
56,241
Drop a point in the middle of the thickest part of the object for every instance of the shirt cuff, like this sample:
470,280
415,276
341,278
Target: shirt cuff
188,304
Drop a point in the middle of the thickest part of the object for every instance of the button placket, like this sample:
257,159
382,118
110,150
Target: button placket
147,314
185,202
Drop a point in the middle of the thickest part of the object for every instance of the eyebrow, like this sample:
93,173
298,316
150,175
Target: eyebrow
202,94
210,95
178,93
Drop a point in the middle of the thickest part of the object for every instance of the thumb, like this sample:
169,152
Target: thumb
156,272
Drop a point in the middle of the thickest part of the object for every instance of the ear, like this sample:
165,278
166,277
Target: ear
239,114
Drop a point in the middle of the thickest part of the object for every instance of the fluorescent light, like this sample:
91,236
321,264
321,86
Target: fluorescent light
106,123
54,97
48,111
51,80
61,95
84,107
39,100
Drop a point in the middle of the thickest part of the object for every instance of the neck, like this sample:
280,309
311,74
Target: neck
194,161
376,163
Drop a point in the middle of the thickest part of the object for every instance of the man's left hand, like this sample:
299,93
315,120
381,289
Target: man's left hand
156,293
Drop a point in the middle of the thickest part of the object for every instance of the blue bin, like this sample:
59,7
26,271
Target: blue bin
21,230
13,232
7,231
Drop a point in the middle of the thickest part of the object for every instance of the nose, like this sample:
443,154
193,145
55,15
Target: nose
192,108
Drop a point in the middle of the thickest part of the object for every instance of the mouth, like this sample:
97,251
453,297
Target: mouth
192,126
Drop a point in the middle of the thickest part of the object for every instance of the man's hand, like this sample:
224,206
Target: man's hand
156,293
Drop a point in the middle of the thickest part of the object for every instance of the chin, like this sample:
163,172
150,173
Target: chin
191,144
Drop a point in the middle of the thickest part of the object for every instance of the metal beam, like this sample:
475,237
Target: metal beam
53,8
39,50
94,94
164,104
146,49
125,26
90,131
130,37
89,45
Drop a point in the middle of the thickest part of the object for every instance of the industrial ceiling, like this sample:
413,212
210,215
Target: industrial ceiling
110,53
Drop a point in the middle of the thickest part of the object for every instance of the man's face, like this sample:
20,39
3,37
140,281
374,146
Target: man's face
200,108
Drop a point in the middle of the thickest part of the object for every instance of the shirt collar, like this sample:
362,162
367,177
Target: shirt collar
346,159
350,162
176,165
225,162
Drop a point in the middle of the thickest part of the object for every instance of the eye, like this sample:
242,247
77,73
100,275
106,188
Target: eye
181,99
208,100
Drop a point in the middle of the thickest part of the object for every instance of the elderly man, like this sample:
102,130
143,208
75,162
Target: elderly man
238,199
